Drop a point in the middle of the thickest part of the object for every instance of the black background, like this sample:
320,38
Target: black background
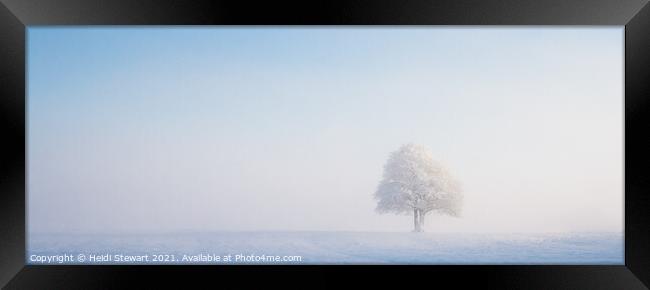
634,14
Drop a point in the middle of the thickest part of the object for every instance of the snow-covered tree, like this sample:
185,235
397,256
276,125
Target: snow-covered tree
413,182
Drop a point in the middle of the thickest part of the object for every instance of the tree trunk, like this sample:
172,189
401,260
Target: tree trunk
422,215
417,220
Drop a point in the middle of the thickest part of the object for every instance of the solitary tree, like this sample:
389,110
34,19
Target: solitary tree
414,182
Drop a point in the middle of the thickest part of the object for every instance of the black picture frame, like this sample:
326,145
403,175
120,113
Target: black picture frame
16,15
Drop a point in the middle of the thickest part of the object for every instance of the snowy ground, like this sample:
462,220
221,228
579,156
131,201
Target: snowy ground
340,247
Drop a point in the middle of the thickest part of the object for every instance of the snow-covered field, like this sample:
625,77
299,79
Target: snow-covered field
334,248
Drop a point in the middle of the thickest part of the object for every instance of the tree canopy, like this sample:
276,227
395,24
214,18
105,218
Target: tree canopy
414,182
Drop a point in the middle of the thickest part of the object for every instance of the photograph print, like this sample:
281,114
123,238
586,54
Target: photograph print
418,145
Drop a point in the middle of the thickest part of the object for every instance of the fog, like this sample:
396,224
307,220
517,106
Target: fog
206,129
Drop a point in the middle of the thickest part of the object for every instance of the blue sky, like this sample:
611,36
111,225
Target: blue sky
186,128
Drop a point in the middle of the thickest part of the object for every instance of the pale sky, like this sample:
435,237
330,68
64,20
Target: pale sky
202,129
